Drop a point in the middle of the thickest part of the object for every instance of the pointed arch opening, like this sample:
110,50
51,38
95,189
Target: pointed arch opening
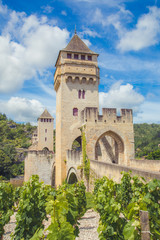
77,144
109,148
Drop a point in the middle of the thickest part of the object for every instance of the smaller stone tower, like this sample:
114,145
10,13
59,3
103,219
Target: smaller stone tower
40,156
45,131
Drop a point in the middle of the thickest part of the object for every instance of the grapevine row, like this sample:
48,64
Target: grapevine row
119,206
35,201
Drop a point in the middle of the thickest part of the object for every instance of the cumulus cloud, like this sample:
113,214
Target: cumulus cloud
22,109
114,19
149,112
121,96
3,8
28,46
89,32
145,34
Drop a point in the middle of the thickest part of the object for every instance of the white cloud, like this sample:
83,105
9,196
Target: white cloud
22,109
87,42
149,112
28,46
121,96
145,34
89,32
114,19
47,9
64,13
3,8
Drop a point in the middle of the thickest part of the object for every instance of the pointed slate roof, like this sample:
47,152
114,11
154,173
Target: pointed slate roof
45,114
77,45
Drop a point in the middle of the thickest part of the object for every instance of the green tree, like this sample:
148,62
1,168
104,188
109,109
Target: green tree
5,163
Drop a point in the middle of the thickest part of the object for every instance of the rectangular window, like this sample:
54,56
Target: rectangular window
41,119
89,58
75,112
50,120
82,57
69,55
44,120
45,139
75,56
47,120
79,94
45,130
83,94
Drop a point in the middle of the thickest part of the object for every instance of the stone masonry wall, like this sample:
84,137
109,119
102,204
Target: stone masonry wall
74,159
39,163
147,165
114,171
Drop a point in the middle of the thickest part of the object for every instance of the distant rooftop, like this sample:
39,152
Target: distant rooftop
45,114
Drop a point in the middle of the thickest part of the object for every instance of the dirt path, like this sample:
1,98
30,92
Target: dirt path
9,228
88,226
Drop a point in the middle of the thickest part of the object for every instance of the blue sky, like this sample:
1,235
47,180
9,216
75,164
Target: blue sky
125,33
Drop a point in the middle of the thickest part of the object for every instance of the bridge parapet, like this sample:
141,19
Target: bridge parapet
90,114
113,171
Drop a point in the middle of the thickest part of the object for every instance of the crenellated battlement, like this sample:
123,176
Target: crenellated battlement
91,114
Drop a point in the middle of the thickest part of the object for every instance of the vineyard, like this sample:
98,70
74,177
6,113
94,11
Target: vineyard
117,204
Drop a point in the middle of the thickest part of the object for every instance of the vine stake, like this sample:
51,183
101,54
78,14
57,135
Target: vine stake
145,229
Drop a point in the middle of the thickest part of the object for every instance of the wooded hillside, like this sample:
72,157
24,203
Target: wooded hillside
13,136
147,139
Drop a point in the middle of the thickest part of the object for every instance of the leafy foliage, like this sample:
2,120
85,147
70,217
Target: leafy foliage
31,209
65,205
12,136
6,204
147,138
119,206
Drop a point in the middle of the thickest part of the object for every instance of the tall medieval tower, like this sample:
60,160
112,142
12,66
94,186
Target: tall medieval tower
76,81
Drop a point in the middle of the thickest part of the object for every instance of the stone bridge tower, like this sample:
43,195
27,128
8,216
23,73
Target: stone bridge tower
76,81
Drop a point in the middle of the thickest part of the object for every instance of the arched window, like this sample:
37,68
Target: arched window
79,94
83,94
75,111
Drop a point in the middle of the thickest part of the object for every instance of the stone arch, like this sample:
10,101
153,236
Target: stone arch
94,136
77,144
90,80
45,149
77,79
109,147
69,78
84,79
72,176
75,133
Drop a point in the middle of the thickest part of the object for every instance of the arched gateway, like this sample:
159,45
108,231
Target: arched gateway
109,148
